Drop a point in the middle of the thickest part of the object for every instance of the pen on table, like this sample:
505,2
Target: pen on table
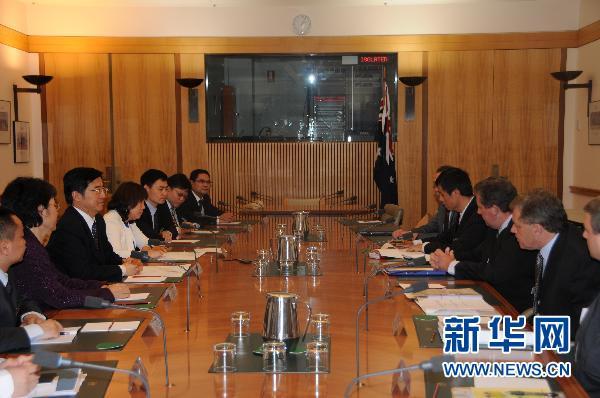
432,336
535,393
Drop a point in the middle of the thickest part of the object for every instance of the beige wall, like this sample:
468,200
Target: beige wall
582,161
268,20
13,64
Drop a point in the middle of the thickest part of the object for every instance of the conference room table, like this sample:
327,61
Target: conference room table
337,292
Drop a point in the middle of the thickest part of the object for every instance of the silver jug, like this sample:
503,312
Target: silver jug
281,318
287,250
300,224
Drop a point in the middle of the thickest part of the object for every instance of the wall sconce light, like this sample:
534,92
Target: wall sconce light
409,94
36,80
191,83
565,76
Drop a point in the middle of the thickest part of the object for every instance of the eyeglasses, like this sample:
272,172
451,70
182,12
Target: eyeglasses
203,181
100,190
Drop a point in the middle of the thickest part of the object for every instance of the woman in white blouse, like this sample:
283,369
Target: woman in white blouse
126,206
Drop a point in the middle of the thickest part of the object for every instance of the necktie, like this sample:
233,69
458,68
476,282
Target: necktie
453,222
539,268
201,207
95,235
175,220
154,223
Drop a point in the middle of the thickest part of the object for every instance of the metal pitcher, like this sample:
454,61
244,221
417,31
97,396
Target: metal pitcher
300,224
287,250
281,318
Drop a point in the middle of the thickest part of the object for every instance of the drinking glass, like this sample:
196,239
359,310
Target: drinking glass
274,356
224,357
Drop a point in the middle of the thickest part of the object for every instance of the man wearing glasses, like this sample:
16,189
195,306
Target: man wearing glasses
177,193
79,246
198,207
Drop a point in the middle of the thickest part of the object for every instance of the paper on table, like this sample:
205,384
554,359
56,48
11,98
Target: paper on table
203,250
230,223
91,327
134,297
455,305
442,292
70,330
368,221
145,279
184,241
177,256
203,232
52,389
168,271
429,286
512,383
124,326
62,339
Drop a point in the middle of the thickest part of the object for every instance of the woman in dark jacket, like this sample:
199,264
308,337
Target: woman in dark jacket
34,201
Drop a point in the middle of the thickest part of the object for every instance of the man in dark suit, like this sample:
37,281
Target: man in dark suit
21,320
498,260
566,279
466,229
438,223
198,207
177,194
587,341
79,246
156,221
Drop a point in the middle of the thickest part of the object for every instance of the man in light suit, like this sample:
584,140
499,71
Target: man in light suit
21,320
587,341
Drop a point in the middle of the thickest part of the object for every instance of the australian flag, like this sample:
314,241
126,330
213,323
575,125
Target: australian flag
384,172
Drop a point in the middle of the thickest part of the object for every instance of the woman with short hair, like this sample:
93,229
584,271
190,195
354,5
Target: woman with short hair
34,201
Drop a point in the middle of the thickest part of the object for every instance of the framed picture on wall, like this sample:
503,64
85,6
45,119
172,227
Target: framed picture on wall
594,124
22,141
4,122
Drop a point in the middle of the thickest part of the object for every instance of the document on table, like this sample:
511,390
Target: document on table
61,339
58,383
203,232
441,292
203,250
168,271
134,297
230,223
184,241
369,222
125,326
145,279
177,256
465,305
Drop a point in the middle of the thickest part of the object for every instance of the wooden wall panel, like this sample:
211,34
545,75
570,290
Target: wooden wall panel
193,134
526,117
410,140
293,170
78,114
144,114
460,112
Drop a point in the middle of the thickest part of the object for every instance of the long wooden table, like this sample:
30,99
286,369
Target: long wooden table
338,292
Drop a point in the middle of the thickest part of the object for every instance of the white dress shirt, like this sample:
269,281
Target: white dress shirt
33,331
545,251
89,220
123,238
7,385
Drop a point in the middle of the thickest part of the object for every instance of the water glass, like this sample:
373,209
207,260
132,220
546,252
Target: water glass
312,253
260,267
263,254
312,267
224,359
319,327
317,356
320,232
274,356
240,324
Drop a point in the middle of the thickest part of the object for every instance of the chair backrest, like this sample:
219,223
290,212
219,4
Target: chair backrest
301,203
392,214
